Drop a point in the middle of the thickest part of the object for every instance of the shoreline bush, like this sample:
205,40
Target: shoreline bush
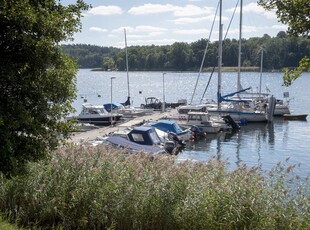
101,188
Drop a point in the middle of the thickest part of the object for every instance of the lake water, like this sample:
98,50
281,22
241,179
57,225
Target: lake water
254,143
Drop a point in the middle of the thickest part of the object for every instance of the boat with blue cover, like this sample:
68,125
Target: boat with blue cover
142,139
171,127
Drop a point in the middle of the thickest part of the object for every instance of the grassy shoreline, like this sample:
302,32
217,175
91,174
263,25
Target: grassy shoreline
100,188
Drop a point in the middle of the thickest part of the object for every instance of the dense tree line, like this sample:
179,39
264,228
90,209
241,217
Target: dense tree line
280,51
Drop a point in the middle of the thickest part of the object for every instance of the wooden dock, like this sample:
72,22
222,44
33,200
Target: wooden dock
79,137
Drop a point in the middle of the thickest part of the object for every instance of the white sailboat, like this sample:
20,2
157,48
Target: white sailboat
240,110
281,107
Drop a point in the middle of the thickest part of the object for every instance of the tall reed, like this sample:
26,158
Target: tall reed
98,188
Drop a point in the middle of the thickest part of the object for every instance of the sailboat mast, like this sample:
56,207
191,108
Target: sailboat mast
219,85
239,51
127,63
261,70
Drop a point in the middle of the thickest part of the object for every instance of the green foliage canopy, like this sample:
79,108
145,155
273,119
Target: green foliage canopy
296,14
37,81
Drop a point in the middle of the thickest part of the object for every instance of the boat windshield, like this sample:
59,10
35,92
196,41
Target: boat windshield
137,137
155,137
195,117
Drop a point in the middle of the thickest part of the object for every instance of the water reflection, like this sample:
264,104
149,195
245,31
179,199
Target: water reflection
248,145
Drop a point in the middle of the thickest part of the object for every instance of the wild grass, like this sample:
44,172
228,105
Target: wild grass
4,225
101,188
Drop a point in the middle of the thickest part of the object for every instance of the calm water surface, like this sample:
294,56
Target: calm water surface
254,143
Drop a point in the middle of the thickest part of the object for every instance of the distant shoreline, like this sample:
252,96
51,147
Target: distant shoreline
207,69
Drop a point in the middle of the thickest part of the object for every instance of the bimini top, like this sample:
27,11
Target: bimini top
167,126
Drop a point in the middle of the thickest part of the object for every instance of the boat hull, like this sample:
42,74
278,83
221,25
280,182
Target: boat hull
241,116
100,120
295,117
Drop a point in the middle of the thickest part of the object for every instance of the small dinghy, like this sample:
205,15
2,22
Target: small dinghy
295,117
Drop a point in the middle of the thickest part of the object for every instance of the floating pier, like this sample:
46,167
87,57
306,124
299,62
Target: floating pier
79,137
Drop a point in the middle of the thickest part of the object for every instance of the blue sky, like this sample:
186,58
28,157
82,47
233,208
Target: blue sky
160,22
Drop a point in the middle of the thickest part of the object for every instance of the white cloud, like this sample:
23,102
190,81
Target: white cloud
139,32
245,29
281,27
191,10
97,29
192,32
140,29
254,8
151,34
249,8
178,11
192,20
184,21
148,42
121,29
105,10
151,9
270,14
150,29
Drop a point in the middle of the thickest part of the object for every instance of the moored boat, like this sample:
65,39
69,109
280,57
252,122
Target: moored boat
171,127
142,139
97,115
300,117
209,124
128,111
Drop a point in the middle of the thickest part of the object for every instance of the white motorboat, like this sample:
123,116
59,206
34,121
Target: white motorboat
206,123
97,115
128,111
143,138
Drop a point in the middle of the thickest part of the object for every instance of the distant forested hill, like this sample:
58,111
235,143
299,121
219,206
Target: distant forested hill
280,51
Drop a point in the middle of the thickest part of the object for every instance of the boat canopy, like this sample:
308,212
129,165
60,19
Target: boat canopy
144,136
115,105
167,126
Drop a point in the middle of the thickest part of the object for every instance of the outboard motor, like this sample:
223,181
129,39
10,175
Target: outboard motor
197,132
173,137
169,146
228,120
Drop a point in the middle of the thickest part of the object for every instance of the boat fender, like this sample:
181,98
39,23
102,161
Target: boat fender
182,118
